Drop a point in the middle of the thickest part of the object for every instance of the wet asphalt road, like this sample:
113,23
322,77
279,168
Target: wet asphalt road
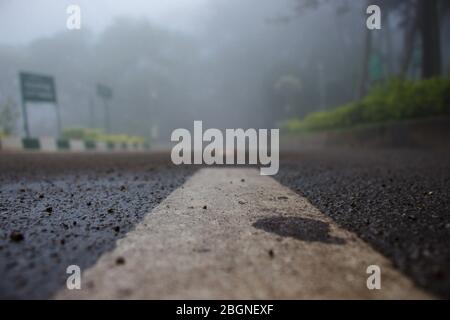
398,201
231,233
62,209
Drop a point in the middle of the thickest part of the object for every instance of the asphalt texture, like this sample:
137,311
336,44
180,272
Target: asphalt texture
230,233
398,201
62,209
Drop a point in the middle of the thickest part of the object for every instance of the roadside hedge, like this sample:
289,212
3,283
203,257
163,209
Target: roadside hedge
96,135
393,101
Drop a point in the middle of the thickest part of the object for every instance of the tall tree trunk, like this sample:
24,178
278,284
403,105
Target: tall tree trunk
389,68
365,63
431,45
410,38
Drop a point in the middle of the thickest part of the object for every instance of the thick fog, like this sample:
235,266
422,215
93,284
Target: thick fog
230,63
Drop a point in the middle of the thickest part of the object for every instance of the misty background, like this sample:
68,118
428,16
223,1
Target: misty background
230,63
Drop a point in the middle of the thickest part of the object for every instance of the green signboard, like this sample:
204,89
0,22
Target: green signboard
37,88
104,91
375,68
106,94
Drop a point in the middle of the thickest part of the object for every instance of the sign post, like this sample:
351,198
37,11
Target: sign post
105,93
37,88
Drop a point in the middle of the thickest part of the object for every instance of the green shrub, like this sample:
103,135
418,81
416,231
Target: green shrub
96,135
394,101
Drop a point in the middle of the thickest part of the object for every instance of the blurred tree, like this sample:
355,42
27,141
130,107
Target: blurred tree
8,117
411,26
414,16
133,56
431,38
424,16
289,87
365,61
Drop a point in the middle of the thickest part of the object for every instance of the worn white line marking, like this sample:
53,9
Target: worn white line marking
256,239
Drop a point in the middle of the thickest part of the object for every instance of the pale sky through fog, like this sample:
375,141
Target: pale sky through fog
22,21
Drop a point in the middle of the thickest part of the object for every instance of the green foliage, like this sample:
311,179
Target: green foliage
8,118
396,100
98,136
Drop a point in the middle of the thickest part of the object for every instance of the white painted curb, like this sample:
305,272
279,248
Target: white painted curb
49,144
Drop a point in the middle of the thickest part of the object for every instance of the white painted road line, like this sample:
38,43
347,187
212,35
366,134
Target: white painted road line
233,234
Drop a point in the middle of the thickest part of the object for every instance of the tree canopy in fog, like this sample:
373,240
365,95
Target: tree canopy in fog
245,64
